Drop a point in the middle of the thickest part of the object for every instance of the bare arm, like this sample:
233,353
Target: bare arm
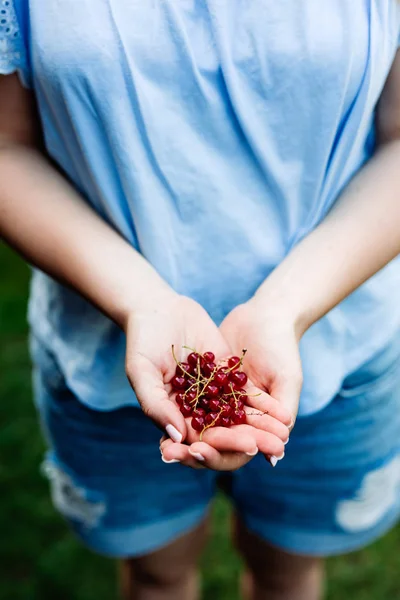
45,219
356,239
359,236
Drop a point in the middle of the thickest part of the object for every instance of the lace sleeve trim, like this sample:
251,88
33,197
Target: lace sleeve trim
12,55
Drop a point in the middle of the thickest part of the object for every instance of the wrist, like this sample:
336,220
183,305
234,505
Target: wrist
282,305
150,298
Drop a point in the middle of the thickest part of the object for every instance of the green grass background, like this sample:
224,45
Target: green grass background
39,558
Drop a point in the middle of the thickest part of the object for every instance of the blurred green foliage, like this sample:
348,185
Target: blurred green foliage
39,558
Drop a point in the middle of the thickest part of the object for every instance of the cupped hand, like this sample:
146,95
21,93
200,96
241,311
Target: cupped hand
179,321
273,359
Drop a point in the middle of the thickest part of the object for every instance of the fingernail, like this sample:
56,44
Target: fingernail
253,453
197,456
287,441
173,433
275,459
169,462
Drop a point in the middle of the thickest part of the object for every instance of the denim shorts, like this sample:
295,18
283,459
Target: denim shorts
337,489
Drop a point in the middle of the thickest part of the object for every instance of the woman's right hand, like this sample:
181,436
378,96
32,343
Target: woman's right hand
151,331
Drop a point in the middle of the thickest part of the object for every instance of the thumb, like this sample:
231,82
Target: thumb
148,385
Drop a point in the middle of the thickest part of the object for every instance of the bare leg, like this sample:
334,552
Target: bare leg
167,574
277,575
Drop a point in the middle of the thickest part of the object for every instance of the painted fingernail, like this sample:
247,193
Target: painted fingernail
197,456
173,433
275,459
169,462
252,453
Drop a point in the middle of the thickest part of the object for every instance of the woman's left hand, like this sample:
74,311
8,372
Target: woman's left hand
272,361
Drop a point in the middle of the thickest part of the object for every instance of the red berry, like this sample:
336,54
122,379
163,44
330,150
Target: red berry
198,423
220,378
178,382
209,357
236,404
231,387
224,421
199,412
193,358
226,410
227,389
238,417
212,418
209,369
239,378
191,395
180,398
182,368
192,369
214,404
234,362
186,409
212,391
205,403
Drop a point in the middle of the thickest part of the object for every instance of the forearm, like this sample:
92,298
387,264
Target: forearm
358,237
44,218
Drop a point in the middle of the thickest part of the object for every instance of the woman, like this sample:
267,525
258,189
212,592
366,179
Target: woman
221,175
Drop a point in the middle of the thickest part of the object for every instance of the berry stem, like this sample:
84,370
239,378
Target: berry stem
189,348
207,381
178,364
235,398
229,369
197,383
210,425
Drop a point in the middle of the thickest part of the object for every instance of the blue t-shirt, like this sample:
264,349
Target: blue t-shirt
213,136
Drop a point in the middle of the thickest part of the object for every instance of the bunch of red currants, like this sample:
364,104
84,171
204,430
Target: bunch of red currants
212,394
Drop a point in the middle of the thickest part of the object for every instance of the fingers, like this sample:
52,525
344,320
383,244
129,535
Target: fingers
218,461
268,443
243,439
270,405
149,387
201,455
260,420
287,392
223,451
172,452
235,439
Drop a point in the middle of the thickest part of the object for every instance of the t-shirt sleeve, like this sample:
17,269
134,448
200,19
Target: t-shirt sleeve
398,22
13,45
